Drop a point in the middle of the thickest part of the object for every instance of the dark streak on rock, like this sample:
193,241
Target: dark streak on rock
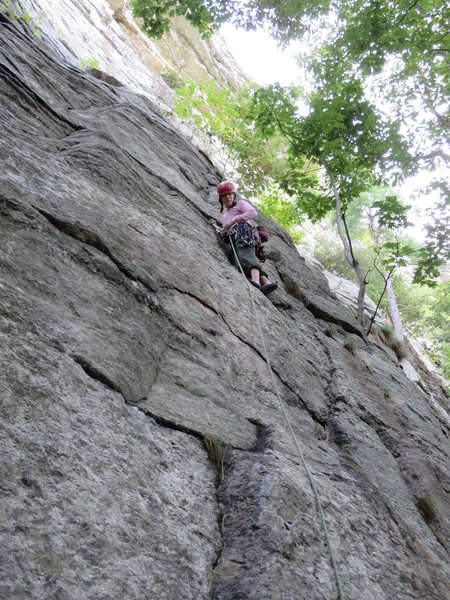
264,436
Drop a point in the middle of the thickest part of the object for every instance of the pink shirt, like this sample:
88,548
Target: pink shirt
241,212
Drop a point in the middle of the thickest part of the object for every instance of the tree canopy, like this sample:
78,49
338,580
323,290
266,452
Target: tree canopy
341,133
376,89
224,114
283,17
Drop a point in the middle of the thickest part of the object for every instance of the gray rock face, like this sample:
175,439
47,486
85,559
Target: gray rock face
106,32
103,32
127,336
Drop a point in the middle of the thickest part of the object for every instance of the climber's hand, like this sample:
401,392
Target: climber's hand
221,231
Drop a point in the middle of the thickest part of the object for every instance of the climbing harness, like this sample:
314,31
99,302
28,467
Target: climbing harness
252,237
243,236
340,595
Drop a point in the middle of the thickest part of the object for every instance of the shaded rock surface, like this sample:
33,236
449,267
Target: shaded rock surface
127,336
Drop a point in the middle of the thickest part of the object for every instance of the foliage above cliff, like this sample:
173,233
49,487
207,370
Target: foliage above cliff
402,46
376,74
284,17
225,114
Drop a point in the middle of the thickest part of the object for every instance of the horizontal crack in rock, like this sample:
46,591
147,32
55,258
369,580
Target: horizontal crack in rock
195,297
170,424
83,235
319,313
96,374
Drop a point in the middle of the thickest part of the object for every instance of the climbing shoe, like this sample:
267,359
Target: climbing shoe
255,283
270,286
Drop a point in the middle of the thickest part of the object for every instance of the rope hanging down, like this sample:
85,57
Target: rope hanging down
340,595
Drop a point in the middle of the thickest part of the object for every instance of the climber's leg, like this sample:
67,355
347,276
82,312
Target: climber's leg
255,277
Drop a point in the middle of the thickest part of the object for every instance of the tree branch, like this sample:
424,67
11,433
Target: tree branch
386,279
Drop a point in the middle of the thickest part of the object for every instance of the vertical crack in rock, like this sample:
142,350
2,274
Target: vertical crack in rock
217,451
264,436
329,383
264,516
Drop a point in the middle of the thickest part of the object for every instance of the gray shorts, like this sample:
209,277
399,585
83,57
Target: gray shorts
247,258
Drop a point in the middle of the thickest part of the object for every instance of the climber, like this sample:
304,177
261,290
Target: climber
237,231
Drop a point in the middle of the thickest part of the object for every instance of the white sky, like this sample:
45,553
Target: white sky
259,56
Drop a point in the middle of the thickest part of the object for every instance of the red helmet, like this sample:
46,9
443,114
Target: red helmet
226,187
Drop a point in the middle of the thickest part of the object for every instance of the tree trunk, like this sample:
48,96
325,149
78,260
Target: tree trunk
395,313
348,251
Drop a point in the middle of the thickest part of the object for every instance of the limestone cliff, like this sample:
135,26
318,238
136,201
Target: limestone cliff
127,337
